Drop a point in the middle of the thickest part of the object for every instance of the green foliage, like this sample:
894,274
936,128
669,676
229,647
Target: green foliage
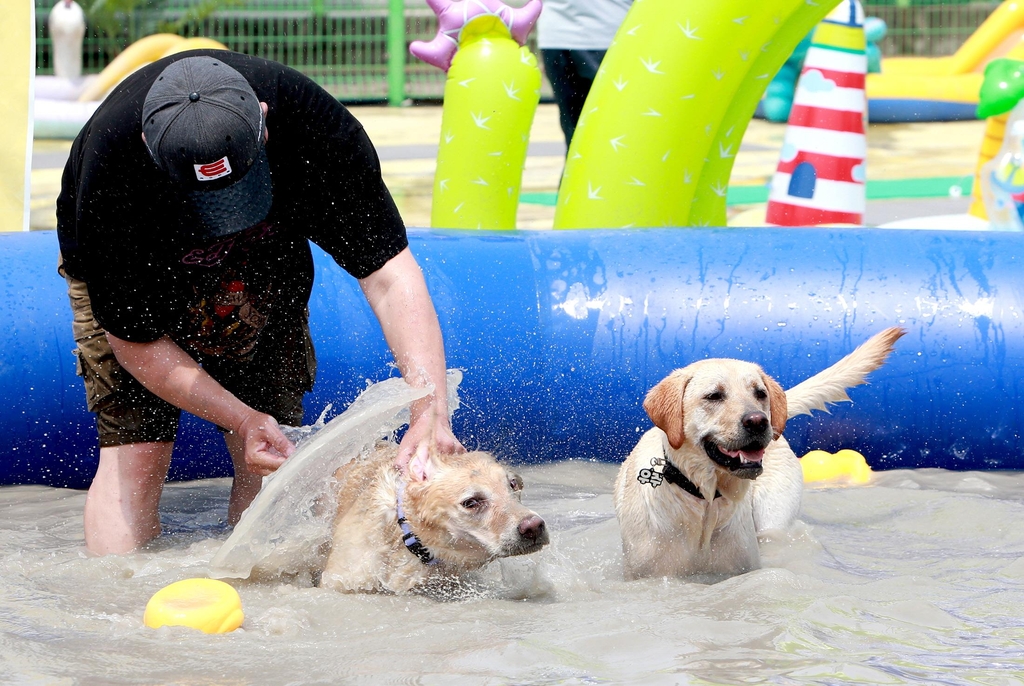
108,17
196,13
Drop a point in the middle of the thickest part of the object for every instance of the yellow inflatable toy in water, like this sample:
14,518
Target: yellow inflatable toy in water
211,606
665,117
846,465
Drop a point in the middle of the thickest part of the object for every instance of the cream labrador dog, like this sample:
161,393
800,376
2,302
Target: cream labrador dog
715,471
453,515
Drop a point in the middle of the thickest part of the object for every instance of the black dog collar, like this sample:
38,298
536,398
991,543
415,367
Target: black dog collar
408,537
670,473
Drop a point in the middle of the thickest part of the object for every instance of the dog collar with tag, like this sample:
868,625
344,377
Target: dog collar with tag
408,537
670,473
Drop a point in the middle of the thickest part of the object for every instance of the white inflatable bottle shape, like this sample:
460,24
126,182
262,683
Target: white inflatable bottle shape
67,30
1002,177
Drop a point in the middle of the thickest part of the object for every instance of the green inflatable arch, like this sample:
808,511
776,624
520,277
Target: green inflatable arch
667,112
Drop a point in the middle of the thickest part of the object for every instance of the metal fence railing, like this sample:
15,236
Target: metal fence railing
928,29
346,46
343,44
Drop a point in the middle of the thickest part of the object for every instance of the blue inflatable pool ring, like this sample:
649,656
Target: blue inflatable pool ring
902,111
561,334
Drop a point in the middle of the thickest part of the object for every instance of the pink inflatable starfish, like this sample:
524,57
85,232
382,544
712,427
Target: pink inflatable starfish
452,17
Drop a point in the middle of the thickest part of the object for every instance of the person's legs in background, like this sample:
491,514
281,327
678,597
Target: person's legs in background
571,73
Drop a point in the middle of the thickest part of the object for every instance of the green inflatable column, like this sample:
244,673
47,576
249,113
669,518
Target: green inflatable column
490,98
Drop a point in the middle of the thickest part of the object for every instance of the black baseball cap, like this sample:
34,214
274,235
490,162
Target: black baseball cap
204,127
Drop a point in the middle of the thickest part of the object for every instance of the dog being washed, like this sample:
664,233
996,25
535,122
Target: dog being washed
715,470
453,515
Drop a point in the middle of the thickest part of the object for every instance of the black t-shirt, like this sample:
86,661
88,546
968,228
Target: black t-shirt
121,228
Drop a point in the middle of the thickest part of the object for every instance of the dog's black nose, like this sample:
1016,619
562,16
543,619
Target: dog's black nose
531,528
755,422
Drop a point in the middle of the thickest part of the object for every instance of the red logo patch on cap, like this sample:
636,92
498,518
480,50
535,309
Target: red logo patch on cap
213,170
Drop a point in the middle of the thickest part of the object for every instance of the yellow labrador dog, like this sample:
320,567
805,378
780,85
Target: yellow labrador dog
686,497
453,515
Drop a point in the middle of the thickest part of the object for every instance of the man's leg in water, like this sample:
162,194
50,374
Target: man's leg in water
122,508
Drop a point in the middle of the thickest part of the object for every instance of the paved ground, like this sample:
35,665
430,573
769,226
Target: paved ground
406,140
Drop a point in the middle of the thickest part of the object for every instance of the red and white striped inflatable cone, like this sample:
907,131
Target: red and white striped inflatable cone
821,173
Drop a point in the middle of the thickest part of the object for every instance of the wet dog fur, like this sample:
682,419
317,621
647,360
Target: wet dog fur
465,509
720,423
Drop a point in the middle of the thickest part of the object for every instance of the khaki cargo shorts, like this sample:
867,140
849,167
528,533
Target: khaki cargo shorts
280,373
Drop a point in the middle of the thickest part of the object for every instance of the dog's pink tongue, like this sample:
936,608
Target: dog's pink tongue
745,456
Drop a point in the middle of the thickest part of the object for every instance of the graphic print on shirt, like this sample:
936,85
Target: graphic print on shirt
231,295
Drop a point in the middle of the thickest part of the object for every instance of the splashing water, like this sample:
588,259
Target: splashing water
283,530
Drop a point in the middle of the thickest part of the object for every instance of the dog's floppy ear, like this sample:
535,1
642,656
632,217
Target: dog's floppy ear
664,405
422,466
777,402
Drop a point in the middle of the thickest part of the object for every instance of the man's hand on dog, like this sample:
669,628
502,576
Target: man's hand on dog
429,427
266,447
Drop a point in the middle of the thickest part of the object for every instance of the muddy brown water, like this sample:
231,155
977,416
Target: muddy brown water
917,577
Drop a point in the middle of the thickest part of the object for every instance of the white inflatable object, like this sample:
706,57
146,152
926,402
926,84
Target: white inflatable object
284,528
57,113
940,222
57,88
60,119
67,29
